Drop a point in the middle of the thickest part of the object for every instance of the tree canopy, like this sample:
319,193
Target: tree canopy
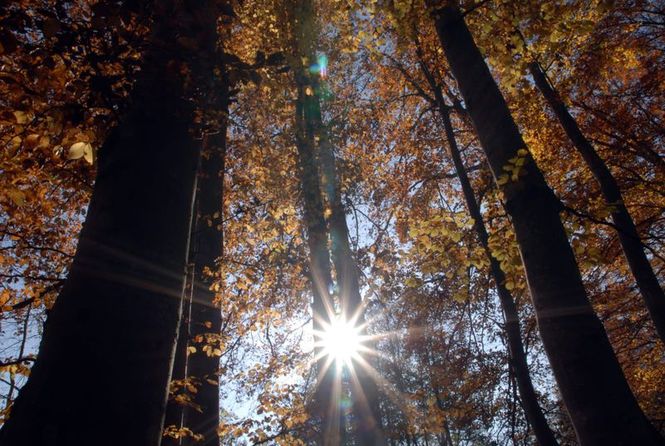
293,222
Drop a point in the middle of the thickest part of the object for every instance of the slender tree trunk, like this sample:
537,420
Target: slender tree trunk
518,359
175,410
365,391
646,279
597,397
201,319
328,385
206,319
203,322
104,362
319,269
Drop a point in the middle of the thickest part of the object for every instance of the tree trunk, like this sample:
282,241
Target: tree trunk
319,270
518,361
204,320
329,386
104,362
646,279
174,417
594,390
365,391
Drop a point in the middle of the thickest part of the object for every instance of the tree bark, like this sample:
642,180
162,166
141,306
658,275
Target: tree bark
518,360
104,362
204,320
646,279
365,392
364,389
594,390
324,406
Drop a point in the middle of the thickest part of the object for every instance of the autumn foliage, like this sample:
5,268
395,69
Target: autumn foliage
407,166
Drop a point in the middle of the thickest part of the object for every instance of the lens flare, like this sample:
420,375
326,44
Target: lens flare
323,65
341,341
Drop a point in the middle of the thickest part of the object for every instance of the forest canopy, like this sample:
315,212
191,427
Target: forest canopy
332,222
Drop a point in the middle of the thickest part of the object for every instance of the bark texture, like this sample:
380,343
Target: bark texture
594,390
633,250
518,360
365,392
327,386
202,319
105,358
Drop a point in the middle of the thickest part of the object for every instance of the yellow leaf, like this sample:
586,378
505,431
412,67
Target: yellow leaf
21,117
17,196
81,150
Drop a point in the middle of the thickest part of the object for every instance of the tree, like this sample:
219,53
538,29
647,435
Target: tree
518,359
573,336
118,312
646,279
195,382
518,363
193,409
345,123
328,384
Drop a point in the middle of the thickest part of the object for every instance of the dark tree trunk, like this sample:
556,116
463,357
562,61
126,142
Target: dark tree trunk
329,386
319,270
595,392
364,389
203,319
365,392
518,361
323,407
104,362
646,279
174,417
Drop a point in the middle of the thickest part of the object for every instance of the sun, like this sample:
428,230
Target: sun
341,341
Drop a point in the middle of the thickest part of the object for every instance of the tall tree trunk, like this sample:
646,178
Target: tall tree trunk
365,391
319,269
104,362
518,359
646,279
203,319
595,392
329,386
174,417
